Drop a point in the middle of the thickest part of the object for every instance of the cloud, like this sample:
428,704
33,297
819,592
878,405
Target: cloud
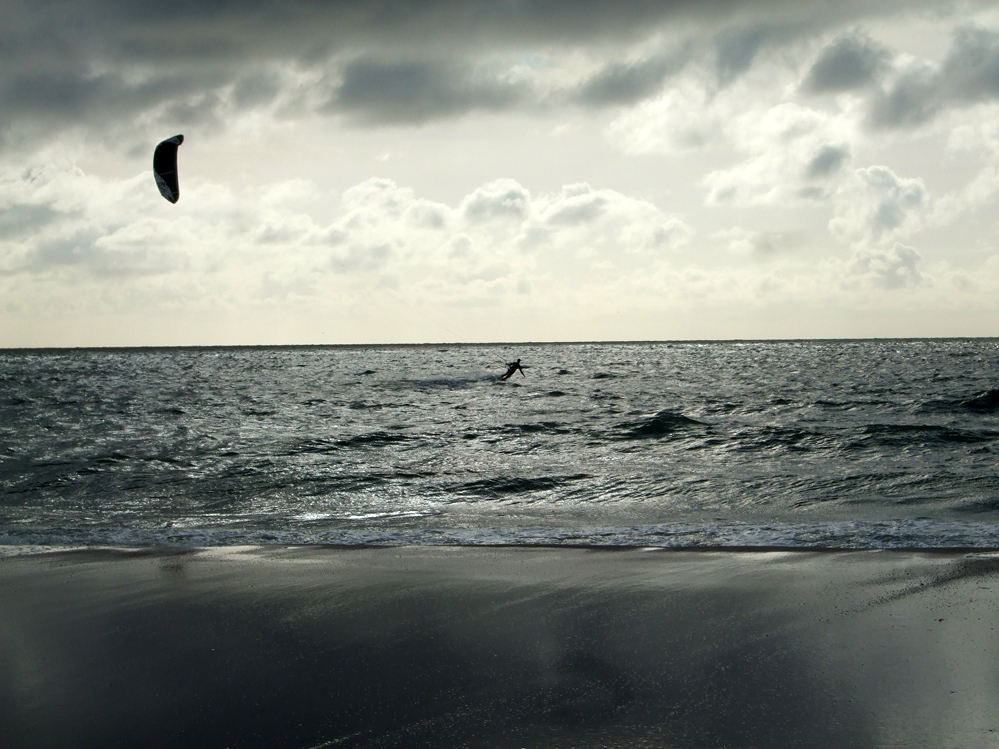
761,245
978,192
971,69
850,62
968,75
259,246
877,206
787,150
417,91
118,253
503,199
579,205
116,66
750,114
736,48
22,219
894,268
827,160
587,233
913,99
794,153
684,118
571,258
627,83
256,89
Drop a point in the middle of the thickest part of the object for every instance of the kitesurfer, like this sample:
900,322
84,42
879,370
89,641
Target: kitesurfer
512,369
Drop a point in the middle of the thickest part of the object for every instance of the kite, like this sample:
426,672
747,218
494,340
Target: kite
165,168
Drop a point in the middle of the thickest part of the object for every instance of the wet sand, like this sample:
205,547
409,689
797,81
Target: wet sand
490,647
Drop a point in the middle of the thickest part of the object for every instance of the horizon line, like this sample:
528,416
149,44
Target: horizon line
624,342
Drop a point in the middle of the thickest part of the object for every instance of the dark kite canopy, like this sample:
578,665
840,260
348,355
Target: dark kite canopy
165,168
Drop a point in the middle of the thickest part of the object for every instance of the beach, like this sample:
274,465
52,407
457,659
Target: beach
497,647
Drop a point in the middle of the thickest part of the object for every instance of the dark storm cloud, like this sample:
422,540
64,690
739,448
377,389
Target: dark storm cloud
971,70
256,90
626,83
63,94
968,75
105,63
850,62
226,30
913,99
416,91
36,103
827,161
737,48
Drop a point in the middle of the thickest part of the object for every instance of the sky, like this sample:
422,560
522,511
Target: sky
390,171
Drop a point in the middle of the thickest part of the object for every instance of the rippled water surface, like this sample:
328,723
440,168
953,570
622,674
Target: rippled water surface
855,443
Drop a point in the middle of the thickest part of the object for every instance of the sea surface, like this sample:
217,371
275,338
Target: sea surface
833,444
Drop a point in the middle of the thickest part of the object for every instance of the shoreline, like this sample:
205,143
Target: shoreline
167,549
738,535
478,646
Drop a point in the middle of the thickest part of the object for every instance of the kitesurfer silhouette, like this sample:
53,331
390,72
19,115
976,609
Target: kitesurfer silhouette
512,369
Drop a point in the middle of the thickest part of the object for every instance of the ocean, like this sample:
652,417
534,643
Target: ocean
854,444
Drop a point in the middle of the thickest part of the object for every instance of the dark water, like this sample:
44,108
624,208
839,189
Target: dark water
829,443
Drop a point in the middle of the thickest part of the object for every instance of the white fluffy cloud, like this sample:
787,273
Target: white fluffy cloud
684,118
116,245
391,265
877,206
793,153
888,269
778,151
